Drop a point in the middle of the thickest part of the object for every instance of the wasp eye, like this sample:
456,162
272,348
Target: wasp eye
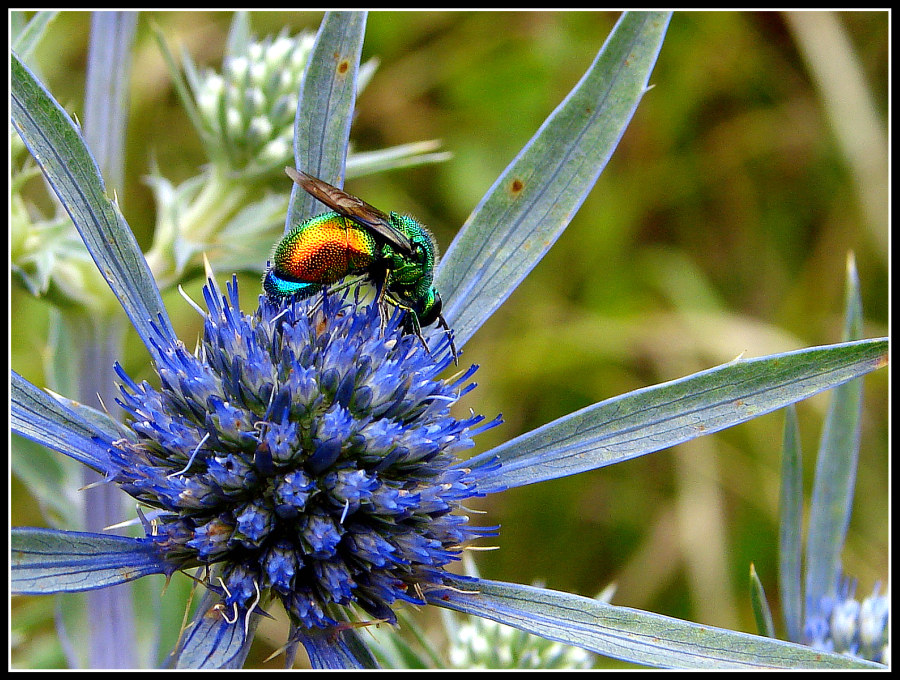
431,310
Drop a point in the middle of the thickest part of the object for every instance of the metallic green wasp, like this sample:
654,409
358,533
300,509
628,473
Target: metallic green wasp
393,251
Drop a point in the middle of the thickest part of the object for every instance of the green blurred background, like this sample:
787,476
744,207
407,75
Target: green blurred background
721,226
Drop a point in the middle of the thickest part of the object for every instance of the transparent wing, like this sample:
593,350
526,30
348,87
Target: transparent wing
352,208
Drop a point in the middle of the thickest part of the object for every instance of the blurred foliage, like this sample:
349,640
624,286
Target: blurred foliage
721,226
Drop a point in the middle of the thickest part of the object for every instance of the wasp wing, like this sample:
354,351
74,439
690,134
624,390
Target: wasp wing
352,208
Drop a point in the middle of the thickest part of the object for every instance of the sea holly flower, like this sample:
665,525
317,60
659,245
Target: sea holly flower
817,600
247,111
844,625
276,451
872,635
300,454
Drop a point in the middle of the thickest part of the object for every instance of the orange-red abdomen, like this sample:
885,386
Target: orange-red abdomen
325,249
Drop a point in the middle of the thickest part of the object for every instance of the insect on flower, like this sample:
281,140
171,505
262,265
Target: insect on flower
394,251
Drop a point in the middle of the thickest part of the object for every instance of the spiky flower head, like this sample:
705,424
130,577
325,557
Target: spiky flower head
247,111
844,625
310,457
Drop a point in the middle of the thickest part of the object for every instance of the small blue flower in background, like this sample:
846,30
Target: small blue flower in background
299,455
817,600
842,624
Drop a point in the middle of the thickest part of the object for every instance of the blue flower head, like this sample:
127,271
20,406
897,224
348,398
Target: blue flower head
840,623
305,454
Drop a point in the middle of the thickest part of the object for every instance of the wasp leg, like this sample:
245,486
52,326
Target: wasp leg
346,283
412,325
381,301
411,322
319,300
443,324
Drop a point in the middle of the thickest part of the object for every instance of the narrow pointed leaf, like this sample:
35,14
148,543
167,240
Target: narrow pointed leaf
60,151
835,479
790,532
239,35
39,417
325,109
106,91
103,425
535,198
623,633
364,163
47,561
216,638
328,649
25,41
181,79
661,416
761,612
